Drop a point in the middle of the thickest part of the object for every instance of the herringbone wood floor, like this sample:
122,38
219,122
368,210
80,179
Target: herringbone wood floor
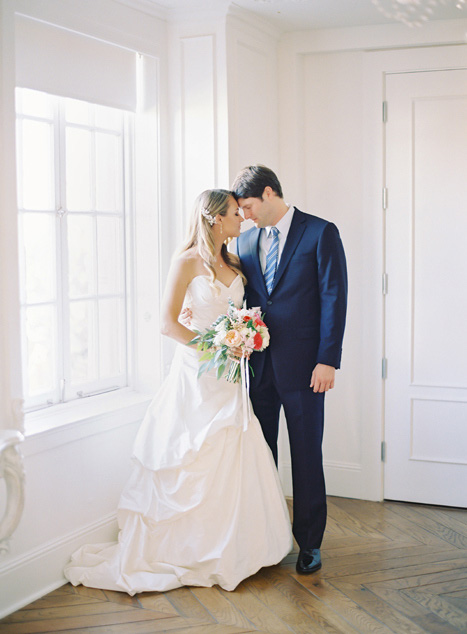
387,567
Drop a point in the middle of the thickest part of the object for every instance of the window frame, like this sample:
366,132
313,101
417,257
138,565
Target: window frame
64,391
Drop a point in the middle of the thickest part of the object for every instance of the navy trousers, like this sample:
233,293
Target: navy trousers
304,412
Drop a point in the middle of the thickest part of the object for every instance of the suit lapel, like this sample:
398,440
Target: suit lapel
296,230
253,264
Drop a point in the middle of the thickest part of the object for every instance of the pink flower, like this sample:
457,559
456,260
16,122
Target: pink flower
258,341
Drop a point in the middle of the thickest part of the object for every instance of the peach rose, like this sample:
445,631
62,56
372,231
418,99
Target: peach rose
233,339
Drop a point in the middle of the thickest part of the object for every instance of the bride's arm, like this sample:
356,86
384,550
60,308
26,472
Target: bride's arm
180,275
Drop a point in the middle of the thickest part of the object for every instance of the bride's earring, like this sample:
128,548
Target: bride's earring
221,228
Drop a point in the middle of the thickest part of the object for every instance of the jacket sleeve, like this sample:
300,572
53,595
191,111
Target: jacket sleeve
332,278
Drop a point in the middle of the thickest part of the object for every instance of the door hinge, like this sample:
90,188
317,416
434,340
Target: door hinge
385,198
383,451
385,283
385,111
384,369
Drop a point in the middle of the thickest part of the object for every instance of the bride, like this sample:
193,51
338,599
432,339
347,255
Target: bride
203,505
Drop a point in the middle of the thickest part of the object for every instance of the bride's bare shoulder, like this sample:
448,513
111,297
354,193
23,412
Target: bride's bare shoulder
189,263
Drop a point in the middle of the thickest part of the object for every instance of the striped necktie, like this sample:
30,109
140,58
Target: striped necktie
271,260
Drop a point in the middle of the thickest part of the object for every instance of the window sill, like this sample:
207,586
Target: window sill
72,421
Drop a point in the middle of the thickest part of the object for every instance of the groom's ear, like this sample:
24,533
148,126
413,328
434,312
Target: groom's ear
267,193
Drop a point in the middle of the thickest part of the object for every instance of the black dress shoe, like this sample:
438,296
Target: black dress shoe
309,560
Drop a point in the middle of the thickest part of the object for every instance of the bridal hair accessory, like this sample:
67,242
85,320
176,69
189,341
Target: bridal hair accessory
208,216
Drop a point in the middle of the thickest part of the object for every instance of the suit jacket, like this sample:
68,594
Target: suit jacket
305,312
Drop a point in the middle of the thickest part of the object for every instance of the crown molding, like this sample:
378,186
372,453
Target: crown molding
255,21
186,11
147,6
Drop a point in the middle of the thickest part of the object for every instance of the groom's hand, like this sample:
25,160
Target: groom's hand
322,378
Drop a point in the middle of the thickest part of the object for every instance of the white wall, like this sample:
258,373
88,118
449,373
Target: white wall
72,489
253,91
198,145
331,140
10,375
75,472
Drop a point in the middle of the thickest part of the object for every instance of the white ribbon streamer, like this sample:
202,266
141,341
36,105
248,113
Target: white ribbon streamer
245,376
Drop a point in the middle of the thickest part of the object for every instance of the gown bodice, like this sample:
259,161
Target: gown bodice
207,303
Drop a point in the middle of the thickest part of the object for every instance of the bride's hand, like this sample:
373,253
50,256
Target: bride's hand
185,317
237,353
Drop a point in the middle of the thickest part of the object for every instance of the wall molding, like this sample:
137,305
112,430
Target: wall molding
148,7
347,466
188,11
376,38
38,571
253,22
333,476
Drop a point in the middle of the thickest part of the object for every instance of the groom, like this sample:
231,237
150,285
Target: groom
296,271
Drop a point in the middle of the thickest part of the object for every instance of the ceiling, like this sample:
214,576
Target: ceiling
293,15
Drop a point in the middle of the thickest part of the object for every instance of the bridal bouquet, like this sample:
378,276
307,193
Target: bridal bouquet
240,330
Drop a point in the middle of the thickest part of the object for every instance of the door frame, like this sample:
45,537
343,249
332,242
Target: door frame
420,60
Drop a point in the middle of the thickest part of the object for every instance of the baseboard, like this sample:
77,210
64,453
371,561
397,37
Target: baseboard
32,575
349,480
343,479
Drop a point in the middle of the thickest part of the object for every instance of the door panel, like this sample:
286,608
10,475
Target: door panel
426,306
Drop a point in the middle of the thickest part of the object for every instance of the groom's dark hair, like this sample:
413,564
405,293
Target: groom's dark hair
251,181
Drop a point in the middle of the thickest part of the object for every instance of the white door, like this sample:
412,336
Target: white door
426,303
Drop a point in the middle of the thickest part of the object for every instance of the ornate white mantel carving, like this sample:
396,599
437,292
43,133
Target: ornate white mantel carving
11,469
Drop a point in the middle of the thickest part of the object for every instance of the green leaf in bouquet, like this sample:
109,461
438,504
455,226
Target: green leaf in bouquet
219,355
219,320
207,355
220,371
203,368
232,309
211,364
195,341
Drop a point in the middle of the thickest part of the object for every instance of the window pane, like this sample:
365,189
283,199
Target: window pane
35,103
77,111
38,253
108,118
111,339
36,165
40,349
81,256
108,172
83,340
78,169
73,319
109,249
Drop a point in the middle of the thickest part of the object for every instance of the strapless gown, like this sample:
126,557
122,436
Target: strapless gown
203,505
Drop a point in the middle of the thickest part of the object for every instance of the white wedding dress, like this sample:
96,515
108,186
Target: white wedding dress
203,505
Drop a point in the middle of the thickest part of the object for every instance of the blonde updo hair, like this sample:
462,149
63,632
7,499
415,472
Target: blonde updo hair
212,202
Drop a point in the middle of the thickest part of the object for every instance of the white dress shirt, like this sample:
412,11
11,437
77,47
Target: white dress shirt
265,239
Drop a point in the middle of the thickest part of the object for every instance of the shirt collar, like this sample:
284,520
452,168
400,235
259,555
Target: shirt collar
284,223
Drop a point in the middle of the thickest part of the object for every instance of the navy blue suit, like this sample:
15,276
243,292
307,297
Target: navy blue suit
305,314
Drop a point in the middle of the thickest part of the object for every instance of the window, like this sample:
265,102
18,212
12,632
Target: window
73,188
